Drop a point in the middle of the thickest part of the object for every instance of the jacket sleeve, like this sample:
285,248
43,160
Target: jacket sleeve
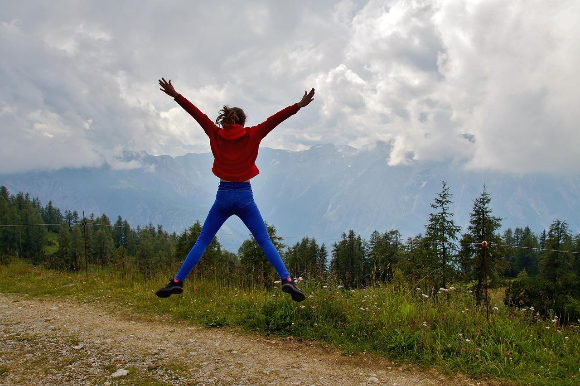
269,124
206,124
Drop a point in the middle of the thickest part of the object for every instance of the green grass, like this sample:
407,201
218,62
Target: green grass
447,332
52,247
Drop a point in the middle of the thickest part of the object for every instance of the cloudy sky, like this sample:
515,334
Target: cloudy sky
488,84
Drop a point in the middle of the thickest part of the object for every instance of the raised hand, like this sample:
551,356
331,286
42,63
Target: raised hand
167,88
306,99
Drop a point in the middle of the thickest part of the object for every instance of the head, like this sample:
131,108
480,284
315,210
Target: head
229,115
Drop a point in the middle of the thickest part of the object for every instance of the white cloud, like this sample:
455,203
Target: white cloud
486,83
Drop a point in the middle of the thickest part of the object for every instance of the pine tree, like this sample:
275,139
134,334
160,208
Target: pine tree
526,254
441,234
349,263
383,255
303,258
556,261
253,260
483,226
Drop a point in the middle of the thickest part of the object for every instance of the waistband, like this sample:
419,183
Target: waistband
234,185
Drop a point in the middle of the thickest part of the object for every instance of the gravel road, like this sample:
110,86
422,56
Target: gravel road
47,341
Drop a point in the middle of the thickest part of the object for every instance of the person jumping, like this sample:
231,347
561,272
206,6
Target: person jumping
235,149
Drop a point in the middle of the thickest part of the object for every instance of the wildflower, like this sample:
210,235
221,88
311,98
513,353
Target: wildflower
477,357
462,348
425,324
495,309
324,286
302,306
425,296
277,282
418,289
460,335
300,278
467,340
477,349
547,328
340,286
452,288
524,310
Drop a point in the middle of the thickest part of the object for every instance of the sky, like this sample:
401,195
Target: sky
488,85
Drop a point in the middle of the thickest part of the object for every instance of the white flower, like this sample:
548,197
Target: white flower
277,281
324,286
425,296
418,289
496,309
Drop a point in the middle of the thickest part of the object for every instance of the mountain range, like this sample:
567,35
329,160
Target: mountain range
320,192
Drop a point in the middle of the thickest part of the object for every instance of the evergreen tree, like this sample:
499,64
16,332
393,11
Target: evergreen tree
52,216
471,254
526,254
441,234
9,240
349,260
253,260
32,237
65,254
383,255
557,261
102,244
77,247
305,259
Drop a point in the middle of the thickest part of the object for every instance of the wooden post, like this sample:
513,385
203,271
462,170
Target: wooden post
484,246
85,237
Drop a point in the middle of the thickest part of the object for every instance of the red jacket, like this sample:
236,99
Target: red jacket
234,147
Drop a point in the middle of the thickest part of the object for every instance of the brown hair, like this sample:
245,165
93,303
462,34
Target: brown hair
229,115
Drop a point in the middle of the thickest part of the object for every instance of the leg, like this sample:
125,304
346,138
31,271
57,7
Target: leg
252,218
215,219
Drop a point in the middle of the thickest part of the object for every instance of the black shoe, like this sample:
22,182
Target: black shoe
174,287
289,286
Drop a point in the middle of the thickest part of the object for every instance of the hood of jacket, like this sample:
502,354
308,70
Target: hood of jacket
232,131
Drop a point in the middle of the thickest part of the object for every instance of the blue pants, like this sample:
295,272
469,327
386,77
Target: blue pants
233,198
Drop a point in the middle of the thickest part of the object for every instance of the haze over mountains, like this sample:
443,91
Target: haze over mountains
320,192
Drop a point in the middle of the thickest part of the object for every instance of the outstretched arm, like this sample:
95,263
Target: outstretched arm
265,127
206,124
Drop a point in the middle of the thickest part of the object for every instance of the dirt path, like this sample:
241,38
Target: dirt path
56,342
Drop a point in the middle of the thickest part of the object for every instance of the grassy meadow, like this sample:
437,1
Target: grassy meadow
447,331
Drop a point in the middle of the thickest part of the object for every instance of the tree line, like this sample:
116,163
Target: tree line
542,271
